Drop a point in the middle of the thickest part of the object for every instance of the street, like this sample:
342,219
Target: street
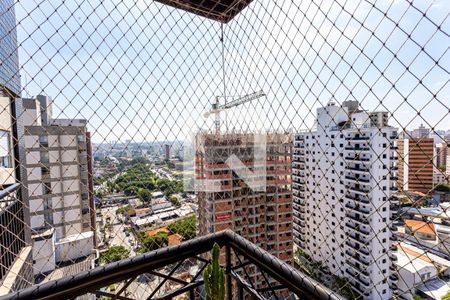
117,235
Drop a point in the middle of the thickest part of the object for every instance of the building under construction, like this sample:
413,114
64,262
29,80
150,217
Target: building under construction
228,201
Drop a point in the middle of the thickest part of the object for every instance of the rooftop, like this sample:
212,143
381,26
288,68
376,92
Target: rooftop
75,237
435,288
421,227
156,231
412,261
423,257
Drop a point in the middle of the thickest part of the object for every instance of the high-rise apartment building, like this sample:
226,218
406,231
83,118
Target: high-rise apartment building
447,169
9,89
415,162
343,179
262,216
9,70
166,152
61,204
442,150
15,239
421,132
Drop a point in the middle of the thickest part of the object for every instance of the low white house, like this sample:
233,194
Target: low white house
74,247
48,251
416,267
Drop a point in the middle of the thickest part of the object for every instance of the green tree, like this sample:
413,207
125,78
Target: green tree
99,180
130,190
114,253
186,227
343,287
169,187
123,209
154,242
175,202
214,277
144,194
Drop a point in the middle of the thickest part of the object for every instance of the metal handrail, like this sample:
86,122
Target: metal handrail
9,190
89,281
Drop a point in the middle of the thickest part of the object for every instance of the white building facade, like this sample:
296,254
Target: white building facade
343,177
57,167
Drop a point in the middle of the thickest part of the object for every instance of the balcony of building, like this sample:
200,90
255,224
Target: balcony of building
393,227
298,165
354,217
359,276
356,148
355,256
298,180
363,250
357,198
299,137
15,258
299,152
357,169
359,229
357,179
358,208
356,188
298,159
362,240
357,158
394,278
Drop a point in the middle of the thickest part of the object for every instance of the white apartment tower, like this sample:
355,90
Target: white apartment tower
344,174
61,206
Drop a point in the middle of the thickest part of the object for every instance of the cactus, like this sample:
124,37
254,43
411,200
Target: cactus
214,277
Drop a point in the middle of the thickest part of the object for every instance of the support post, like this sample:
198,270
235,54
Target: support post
228,272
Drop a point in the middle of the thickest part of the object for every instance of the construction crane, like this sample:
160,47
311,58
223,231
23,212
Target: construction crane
216,108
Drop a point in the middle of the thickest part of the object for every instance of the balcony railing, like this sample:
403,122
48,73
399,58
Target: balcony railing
242,261
357,138
12,233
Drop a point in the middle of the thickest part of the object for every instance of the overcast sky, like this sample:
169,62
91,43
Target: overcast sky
143,71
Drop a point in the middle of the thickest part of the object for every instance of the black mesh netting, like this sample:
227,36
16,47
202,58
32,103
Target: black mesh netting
317,130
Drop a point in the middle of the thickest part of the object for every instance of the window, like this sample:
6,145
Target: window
45,171
44,157
5,150
43,141
46,188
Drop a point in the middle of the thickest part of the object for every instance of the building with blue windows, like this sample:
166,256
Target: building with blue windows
9,59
